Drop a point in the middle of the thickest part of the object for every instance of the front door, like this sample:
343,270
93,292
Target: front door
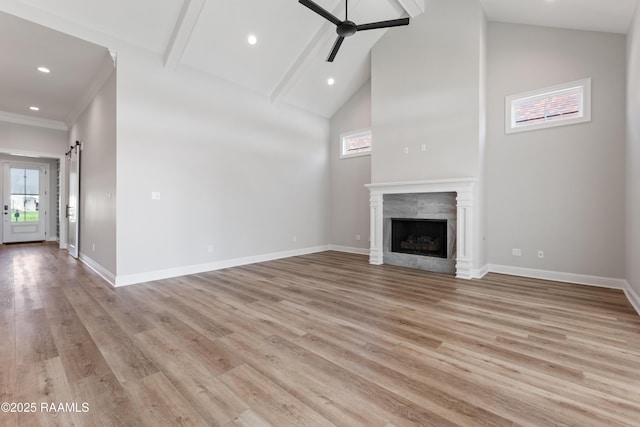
24,203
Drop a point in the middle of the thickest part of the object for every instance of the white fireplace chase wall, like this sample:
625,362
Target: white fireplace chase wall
464,189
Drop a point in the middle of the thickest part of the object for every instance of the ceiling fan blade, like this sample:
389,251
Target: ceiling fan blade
383,24
336,47
320,11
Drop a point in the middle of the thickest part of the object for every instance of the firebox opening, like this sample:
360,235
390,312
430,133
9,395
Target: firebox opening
426,237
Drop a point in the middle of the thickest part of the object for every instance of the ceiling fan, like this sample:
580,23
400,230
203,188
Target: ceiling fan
348,28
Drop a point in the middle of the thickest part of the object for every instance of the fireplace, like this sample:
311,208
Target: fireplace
445,199
419,231
426,237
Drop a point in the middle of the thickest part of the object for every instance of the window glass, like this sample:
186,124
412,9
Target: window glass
355,143
25,195
564,104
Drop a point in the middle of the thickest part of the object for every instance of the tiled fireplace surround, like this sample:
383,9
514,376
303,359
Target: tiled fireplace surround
463,243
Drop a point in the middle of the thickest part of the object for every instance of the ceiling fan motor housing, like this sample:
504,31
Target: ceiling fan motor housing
346,29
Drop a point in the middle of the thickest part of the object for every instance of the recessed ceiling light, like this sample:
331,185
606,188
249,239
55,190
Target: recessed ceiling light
34,108
331,81
44,70
252,39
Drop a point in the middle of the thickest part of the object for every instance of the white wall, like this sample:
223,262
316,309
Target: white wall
428,87
480,216
425,84
633,156
23,138
349,197
96,130
233,171
561,189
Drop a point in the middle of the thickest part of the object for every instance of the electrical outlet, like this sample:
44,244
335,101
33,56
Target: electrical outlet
423,147
155,195
210,248
294,239
357,237
516,252
540,254
406,150
93,247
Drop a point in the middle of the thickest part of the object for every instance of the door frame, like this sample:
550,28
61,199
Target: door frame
44,178
62,196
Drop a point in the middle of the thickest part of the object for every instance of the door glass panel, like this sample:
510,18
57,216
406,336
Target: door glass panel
25,195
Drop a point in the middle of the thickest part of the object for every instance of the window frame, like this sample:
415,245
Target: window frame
511,100
345,135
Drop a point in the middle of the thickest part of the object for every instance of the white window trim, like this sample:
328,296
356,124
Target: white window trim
353,133
509,126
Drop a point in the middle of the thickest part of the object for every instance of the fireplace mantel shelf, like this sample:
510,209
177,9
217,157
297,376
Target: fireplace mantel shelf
431,186
463,187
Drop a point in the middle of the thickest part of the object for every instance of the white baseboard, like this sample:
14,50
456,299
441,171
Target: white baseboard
632,296
558,276
479,273
108,276
349,250
132,279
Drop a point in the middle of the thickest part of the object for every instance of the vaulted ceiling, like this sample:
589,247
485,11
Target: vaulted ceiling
287,64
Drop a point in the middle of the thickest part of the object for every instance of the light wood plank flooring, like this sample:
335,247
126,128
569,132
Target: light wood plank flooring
316,340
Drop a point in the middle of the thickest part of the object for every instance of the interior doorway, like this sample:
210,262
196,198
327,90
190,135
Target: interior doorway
35,214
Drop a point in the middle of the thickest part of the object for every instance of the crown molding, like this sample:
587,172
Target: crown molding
32,121
106,68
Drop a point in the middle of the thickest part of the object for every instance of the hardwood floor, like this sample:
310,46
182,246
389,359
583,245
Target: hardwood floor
317,340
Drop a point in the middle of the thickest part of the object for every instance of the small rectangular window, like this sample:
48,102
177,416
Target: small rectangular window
355,143
564,104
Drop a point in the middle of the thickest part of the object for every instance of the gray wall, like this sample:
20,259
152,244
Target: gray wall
96,130
633,155
559,189
425,84
349,197
234,172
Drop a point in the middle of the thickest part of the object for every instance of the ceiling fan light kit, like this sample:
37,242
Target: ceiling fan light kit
348,28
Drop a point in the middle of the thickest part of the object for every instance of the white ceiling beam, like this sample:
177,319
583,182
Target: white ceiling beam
413,7
182,32
309,53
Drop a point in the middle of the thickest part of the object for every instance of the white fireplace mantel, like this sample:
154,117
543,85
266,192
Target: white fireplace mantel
463,187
